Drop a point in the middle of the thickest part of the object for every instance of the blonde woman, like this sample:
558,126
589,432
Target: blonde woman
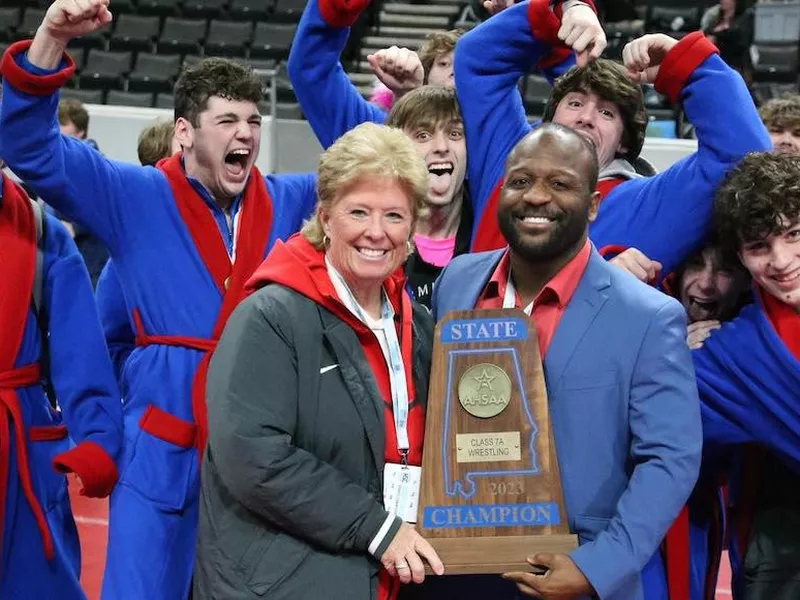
316,396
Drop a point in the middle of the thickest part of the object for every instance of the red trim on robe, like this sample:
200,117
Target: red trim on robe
255,223
168,428
47,433
611,250
545,23
487,234
680,62
92,465
676,557
35,85
341,13
17,271
604,186
785,321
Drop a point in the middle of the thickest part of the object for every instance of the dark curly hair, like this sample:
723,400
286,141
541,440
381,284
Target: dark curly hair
608,80
755,199
781,113
214,77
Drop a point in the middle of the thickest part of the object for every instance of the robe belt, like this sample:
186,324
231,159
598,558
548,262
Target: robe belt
10,382
162,424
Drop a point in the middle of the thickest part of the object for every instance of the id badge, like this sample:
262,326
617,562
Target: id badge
401,490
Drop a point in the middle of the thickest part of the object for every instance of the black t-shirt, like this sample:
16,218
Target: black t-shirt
422,275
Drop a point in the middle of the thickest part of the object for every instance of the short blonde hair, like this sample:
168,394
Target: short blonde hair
368,151
155,142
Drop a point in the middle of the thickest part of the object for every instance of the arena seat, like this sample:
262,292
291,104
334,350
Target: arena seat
135,32
85,96
161,8
119,98
272,40
205,9
228,38
776,62
535,94
248,10
154,72
105,70
31,19
9,21
182,36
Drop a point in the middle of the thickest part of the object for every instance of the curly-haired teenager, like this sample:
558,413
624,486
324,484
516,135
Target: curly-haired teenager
184,238
781,116
748,375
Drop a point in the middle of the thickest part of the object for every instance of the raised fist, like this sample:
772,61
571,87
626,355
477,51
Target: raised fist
581,31
643,56
399,69
637,264
495,6
67,19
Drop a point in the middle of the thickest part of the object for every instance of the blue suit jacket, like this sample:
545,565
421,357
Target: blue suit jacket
625,415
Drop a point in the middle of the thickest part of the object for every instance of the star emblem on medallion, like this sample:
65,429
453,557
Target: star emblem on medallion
485,380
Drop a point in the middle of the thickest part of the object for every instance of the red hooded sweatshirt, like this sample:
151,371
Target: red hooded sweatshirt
297,265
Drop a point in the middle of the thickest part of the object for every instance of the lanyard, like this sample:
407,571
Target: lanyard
391,354
510,296
235,222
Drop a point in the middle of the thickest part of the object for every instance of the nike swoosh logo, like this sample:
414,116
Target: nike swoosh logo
324,370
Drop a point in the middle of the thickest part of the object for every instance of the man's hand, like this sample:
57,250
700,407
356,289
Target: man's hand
563,580
581,31
67,19
403,558
495,6
643,56
64,20
399,69
697,333
637,264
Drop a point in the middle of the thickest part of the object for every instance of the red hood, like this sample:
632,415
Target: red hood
299,266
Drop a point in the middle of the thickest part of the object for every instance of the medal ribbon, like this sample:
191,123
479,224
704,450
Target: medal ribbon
392,355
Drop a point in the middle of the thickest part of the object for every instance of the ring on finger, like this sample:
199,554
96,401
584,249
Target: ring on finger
401,566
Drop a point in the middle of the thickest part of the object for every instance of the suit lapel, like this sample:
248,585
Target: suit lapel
359,382
468,281
589,298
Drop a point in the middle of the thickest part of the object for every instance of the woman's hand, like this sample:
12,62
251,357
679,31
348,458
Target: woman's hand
403,558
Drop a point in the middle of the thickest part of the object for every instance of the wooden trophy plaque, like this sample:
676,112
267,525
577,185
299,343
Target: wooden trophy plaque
491,491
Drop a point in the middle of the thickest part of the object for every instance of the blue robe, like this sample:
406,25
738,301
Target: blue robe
153,510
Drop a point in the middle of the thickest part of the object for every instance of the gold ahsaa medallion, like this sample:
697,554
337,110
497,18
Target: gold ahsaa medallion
484,390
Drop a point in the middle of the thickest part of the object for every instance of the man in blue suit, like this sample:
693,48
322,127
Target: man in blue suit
621,388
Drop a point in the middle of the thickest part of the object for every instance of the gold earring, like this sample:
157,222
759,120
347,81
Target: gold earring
410,247
326,241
